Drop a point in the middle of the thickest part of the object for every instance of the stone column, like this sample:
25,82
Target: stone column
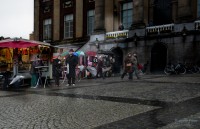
36,19
79,18
184,10
99,16
109,16
138,13
146,12
56,20
174,10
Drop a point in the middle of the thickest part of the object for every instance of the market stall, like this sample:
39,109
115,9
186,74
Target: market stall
16,55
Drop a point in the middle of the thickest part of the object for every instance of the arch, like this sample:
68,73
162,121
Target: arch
158,57
118,55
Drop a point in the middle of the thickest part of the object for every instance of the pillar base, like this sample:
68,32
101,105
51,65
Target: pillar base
138,25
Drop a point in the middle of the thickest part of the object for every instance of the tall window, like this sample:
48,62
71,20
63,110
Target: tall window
162,13
198,8
68,26
127,14
90,22
47,29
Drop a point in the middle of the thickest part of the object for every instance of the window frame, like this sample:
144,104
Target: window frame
47,29
90,21
68,26
127,14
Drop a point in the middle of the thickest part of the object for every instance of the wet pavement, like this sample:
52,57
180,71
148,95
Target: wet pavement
153,102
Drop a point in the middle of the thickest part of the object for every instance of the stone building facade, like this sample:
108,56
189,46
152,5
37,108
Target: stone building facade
159,31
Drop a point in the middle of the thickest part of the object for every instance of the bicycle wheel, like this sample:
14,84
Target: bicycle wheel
194,69
167,70
182,70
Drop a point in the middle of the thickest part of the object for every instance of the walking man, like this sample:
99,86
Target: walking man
135,65
128,66
71,63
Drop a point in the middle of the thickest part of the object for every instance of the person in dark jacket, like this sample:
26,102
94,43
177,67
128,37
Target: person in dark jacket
128,66
57,70
71,63
99,68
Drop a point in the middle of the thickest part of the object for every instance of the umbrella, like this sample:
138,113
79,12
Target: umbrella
80,53
91,53
20,43
17,78
65,53
76,54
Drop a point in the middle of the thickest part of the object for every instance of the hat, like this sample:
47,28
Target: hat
71,50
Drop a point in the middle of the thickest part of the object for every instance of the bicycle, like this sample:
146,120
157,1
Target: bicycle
174,69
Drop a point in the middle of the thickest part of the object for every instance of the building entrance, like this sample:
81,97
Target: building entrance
118,55
158,57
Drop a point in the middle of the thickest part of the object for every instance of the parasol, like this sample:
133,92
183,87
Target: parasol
80,53
65,53
91,53
20,43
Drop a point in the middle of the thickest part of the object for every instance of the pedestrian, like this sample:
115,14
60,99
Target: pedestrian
34,74
100,68
121,27
57,70
7,76
135,65
71,63
128,66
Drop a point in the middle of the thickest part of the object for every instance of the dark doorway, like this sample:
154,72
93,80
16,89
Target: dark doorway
118,55
158,57
162,12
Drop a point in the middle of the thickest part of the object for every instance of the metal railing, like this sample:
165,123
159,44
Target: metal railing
117,34
197,25
160,28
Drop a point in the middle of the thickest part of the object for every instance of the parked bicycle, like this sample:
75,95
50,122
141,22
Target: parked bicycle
175,69
190,68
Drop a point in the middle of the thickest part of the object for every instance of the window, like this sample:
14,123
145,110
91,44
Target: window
45,0
162,13
127,14
68,26
90,22
198,8
47,29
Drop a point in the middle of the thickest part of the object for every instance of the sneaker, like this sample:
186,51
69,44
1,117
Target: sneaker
68,85
73,84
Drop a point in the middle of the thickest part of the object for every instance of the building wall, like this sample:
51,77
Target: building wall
107,19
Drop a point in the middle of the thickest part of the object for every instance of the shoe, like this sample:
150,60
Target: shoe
138,78
73,84
68,85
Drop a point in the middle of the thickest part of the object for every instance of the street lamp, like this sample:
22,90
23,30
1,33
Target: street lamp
135,39
184,33
97,43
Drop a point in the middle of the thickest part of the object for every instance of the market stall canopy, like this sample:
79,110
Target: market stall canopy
91,53
20,43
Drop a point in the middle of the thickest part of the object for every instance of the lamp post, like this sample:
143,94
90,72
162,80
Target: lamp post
97,44
184,33
135,39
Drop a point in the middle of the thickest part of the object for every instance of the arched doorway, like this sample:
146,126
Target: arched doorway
118,55
158,57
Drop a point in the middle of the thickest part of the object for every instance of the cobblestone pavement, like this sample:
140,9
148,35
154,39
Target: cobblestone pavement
153,102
